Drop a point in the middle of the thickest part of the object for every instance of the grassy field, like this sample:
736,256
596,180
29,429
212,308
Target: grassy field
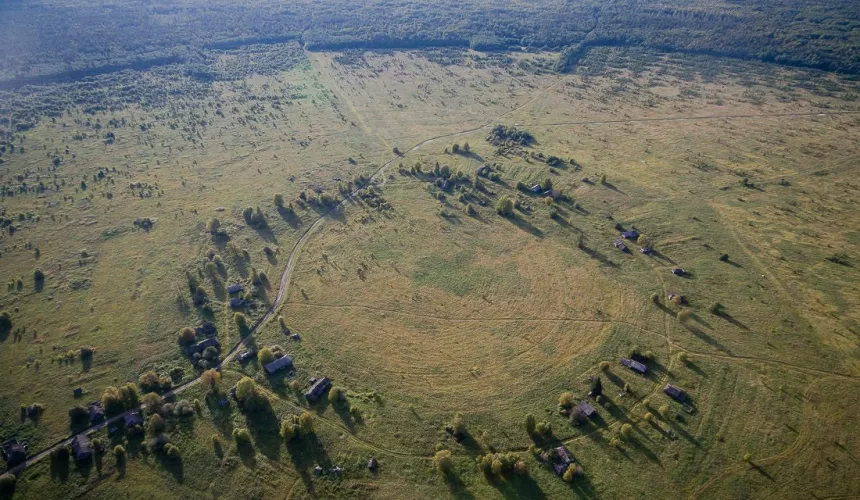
424,311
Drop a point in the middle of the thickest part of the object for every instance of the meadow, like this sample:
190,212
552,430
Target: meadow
442,322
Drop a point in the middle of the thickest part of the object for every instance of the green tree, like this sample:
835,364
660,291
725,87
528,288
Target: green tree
505,207
442,460
265,356
530,424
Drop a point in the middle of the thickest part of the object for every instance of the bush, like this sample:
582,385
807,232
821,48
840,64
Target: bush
442,460
218,445
747,457
279,200
626,429
306,423
565,400
683,357
152,401
294,385
458,425
211,379
570,473
171,450
214,225
155,425
149,382
79,415
38,276
655,298
119,452
187,336
241,321
337,395
543,429
684,316
716,308
505,207
242,437
649,417
604,365
265,356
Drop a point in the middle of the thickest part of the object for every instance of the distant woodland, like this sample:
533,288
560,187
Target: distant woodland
51,41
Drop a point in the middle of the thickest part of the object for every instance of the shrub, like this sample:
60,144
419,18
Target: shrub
565,400
242,437
241,321
683,357
442,460
455,148
186,335
604,365
655,298
684,316
282,322
294,385
543,429
747,457
289,428
458,425
265,356
626,429
38,276
149,382
171,450
570,473
716,308
505,207
211,379
214,225
337,395
664,411
155,424
603,179
218,445
306,423
152,401
649,417
522,186
615,442
119,452
279,200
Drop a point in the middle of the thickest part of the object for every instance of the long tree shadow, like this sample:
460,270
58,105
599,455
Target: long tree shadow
172,465
699,319
306,453
595,254
731,319
611,186
525,226
264,428
290,217
456,486
641,448
517,487
683,432
696,368
758,468
662,256
698,332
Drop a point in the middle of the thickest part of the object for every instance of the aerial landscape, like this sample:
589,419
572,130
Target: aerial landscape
398,249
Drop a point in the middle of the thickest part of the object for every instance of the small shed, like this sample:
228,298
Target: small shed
646,250
372,465
14,451
279,364
236,302
235,288
81,448
133,419
630,235
635,366
620,245
536,188
317,389
678,271
585,408
246,355
675,393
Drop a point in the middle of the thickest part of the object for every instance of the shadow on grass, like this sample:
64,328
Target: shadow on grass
525,226
306,453
290,217
661,256
731,319
595,254
172,465
264,428
517,487
698,332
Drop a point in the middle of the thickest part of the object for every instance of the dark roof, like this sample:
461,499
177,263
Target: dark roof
246,355
675,392
236,302
81,447
279,364
318,388
78,391
14,451
372,464
563,454
133,419
630,235
634,365
202,345
586,408
235,288
97,413
678,271
620,245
